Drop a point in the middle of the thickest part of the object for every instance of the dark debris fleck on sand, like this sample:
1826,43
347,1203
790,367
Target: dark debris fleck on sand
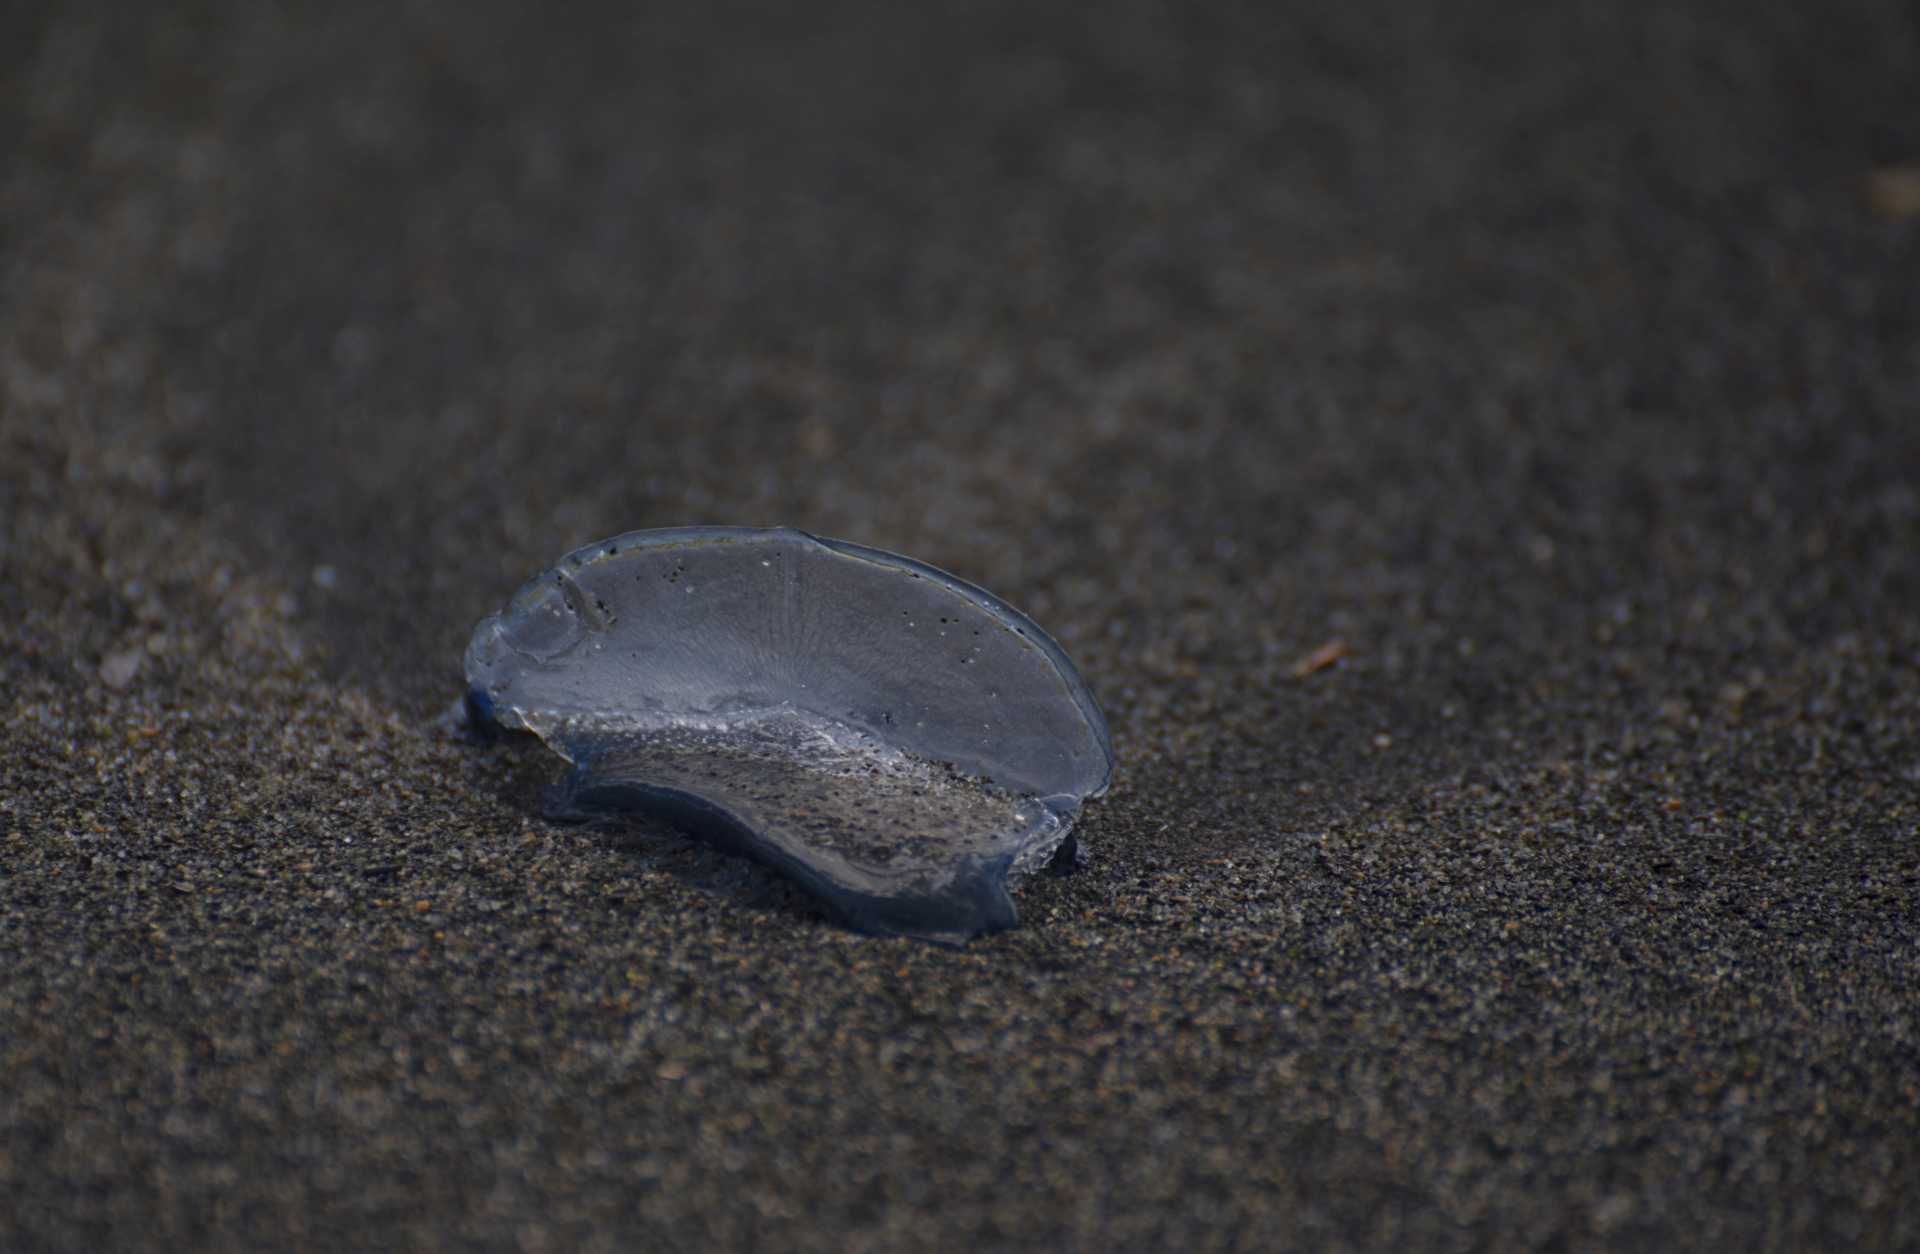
1554,358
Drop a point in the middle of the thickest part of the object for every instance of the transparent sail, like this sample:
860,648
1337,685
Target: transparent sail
901,743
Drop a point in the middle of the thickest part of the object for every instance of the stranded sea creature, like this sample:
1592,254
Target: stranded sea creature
899,742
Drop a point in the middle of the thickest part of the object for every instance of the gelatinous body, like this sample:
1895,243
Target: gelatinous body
898,741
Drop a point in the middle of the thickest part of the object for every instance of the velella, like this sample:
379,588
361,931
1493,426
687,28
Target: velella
899,742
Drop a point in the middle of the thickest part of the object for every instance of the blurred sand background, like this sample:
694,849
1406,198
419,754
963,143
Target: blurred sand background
1560,363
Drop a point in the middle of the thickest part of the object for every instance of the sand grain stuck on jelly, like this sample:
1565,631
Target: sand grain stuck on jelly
899,742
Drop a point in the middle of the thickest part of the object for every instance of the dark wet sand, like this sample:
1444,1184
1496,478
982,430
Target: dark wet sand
1563,362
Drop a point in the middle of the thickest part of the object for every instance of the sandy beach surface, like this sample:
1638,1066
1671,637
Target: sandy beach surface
1472,450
